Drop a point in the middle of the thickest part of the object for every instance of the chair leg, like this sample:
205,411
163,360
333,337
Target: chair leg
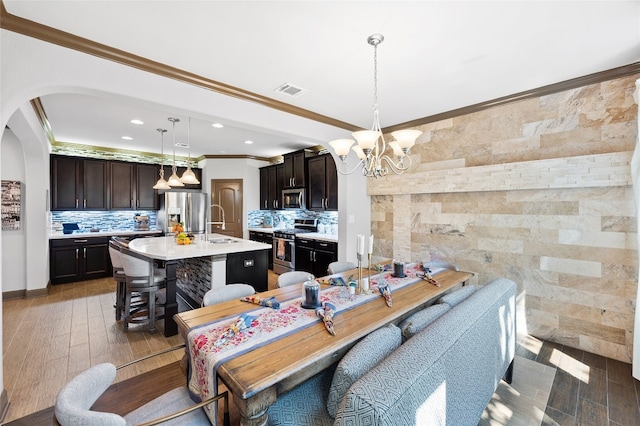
152,311
127,309
120,296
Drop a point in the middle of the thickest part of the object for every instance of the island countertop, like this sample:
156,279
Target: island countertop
166,248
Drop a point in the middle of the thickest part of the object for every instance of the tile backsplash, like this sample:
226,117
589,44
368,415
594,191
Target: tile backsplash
285,218
104,220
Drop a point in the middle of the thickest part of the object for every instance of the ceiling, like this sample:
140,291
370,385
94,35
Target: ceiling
437,56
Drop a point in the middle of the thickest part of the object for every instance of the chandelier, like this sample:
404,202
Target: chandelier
371,145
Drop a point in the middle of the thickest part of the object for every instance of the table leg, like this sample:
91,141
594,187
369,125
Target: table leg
253,411
171,307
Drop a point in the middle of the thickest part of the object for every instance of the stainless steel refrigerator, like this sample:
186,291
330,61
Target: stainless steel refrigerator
183,206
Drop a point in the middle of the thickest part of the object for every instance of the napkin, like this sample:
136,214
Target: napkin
385,291
270,302
326,312
242,323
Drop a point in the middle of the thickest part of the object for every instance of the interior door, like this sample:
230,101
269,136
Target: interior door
228,194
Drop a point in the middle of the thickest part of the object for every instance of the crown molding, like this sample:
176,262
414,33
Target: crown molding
42,32
586,80
61,38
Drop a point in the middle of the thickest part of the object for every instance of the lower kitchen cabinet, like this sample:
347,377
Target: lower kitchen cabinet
248,267
314,256
78,259
266,238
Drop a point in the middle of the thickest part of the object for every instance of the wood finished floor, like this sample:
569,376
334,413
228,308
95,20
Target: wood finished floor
77,328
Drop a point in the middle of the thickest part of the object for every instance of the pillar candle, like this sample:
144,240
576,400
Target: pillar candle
371,244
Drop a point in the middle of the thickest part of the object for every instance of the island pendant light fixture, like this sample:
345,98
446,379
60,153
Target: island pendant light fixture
161,183
371,144
174,180
188,176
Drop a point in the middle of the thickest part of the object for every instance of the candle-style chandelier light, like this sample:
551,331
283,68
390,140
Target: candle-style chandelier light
371,145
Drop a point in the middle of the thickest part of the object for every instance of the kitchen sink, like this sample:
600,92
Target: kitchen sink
222,240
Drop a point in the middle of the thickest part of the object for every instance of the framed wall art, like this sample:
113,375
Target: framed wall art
11,191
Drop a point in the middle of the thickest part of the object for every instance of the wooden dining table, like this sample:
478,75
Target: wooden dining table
256,378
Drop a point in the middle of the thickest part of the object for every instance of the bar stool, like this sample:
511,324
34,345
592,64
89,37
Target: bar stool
118,277
142,277
337,267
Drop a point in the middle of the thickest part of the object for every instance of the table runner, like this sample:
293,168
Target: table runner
266,325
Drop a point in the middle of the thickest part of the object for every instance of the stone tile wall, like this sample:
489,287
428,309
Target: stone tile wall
538,191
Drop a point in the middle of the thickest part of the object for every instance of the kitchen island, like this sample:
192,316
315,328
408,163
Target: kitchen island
195,268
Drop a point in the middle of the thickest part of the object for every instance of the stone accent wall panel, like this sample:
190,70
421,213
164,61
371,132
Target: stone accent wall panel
537,191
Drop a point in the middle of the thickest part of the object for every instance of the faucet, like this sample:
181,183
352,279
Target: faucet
206,228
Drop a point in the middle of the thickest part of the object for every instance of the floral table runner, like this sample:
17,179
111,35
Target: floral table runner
212,344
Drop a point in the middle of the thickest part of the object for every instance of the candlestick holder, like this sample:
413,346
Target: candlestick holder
369,270
360,288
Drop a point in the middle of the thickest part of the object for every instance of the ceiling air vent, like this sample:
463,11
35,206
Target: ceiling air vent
290,90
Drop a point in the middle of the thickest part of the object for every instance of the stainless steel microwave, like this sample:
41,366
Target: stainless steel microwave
294,198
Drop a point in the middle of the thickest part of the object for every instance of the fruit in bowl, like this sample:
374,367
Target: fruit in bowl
183,239
177,228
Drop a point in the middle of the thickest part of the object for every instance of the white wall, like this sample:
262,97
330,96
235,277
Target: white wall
13,242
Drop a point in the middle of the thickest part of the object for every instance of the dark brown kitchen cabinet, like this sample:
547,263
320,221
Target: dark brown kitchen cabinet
78,183
314,256
323,183
271,182
294,170
78,259
132,186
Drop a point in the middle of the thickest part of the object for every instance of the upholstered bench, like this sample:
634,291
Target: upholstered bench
454,355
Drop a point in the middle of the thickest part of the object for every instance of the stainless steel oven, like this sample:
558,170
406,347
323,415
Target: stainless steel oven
284,244
284,252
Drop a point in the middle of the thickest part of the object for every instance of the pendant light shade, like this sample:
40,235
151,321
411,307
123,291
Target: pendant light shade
174,180
161,183
188,176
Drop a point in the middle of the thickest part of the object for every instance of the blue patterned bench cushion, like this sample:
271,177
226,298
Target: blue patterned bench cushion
305,404
418,321
445,374
360,359
454,297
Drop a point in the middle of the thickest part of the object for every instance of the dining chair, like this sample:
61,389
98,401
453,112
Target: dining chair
141,276
226,293
440,264
337,267
293,277
175,407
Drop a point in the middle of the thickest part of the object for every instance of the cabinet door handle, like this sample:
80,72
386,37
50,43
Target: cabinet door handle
84,204
294,181
77,251
265,204
80,241
76,203
131,202
84,252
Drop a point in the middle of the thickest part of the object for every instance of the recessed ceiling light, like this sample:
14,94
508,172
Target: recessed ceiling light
217,125
222,151
248,142
127,138
136,121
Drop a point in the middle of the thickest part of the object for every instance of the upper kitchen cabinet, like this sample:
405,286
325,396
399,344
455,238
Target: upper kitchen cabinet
323,183
271,183
294,169
78,183
132,186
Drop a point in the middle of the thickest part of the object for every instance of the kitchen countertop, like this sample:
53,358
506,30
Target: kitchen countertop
165,248
311,235
57,235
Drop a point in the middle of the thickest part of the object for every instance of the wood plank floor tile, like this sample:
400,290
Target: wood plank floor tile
619,372
564,393
553,417
595,387
589,413
623,407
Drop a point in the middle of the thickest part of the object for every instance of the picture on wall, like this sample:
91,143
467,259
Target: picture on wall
10,205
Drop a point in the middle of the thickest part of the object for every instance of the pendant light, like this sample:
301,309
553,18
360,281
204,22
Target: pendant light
161,183
188,176
174,180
